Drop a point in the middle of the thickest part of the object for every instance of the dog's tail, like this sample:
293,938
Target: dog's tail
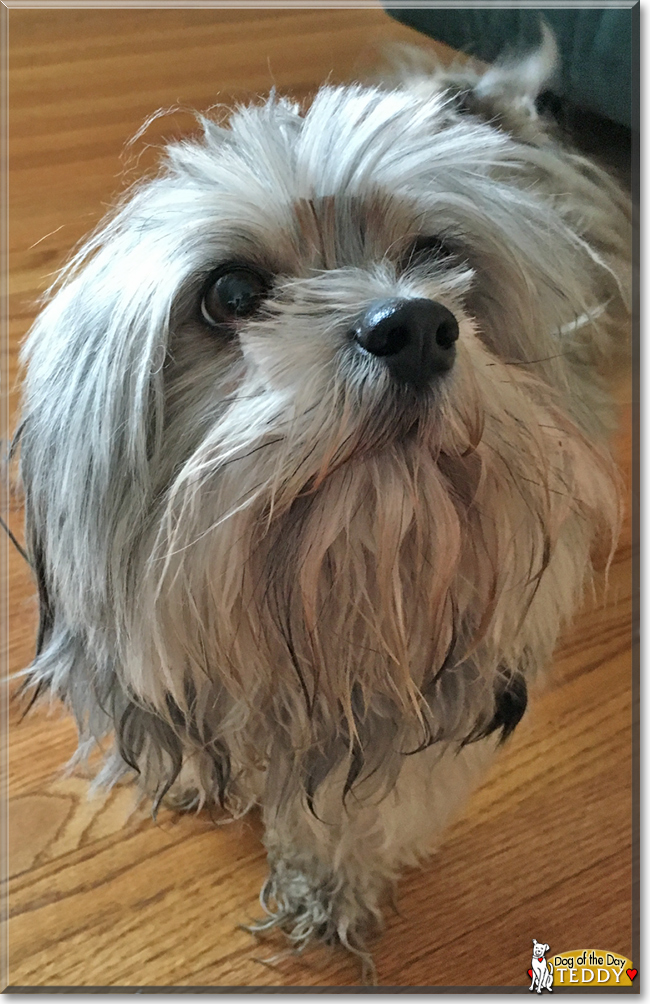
505,90
522,76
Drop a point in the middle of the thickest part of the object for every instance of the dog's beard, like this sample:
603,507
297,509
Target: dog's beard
367,562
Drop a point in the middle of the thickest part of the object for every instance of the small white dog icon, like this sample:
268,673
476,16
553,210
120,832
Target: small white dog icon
542,970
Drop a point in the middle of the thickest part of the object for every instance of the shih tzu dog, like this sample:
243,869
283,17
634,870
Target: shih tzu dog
314,457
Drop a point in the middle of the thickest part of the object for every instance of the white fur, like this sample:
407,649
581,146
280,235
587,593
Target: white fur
542,970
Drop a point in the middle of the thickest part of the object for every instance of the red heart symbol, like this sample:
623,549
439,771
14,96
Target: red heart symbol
530,973
631,973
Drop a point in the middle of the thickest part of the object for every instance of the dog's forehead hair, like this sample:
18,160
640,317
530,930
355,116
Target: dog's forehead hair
323,232
338,173
334,231
348,136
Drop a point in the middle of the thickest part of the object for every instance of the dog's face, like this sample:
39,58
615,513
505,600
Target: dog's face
538,949
326,385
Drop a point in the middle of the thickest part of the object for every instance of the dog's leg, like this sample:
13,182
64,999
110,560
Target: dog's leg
331,866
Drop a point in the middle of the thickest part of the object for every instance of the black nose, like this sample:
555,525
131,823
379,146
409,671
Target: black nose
416,338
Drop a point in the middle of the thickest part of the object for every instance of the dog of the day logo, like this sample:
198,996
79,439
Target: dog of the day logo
582,967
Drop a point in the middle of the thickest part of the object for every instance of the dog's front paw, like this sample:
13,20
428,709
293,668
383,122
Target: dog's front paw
181,799
308,908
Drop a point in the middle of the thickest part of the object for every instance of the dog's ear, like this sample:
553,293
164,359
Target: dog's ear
92,407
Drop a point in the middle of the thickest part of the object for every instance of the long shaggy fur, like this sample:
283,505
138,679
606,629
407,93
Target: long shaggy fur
273,575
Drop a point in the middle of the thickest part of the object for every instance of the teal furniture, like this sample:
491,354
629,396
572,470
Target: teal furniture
598,47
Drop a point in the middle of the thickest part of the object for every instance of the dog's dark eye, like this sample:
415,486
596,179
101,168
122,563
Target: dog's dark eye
233,292
426,249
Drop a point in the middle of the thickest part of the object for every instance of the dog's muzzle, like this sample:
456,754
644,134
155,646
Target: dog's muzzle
416,338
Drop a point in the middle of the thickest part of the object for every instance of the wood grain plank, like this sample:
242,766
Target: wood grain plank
99,894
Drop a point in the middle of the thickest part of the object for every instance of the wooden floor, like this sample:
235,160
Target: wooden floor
101,896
